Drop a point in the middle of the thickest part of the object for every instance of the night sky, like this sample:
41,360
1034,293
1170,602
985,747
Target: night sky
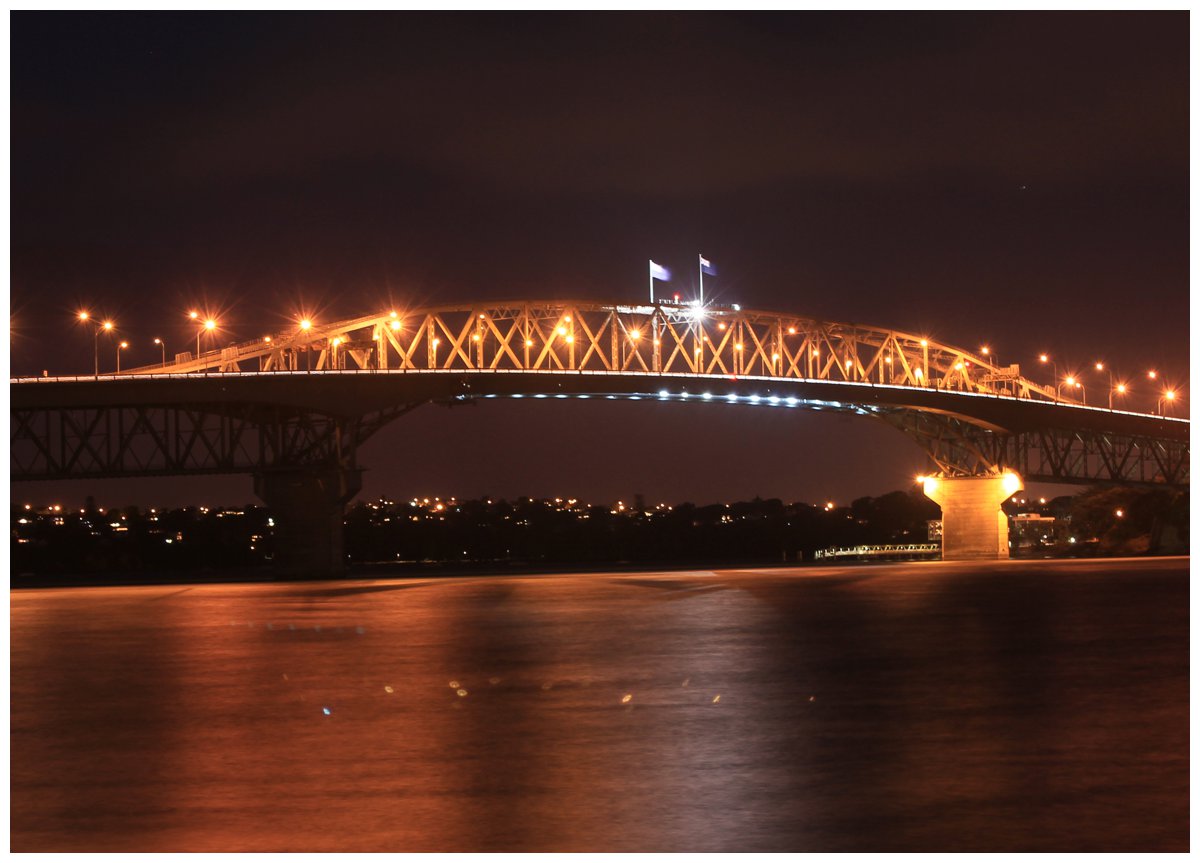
1016,180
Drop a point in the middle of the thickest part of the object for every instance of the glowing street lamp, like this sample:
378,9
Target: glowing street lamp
162,345
83,317
120,347
207,327
1044,359
1168,398
1101,367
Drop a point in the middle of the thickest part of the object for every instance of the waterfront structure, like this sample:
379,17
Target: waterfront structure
292,408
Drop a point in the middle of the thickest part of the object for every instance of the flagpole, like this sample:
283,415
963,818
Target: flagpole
700,258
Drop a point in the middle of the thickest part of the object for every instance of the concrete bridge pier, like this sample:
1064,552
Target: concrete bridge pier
308,505
973,525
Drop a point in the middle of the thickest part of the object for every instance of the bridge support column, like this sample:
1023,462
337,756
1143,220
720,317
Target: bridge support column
973,525
308,505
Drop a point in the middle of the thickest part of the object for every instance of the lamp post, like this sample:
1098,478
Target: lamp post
106,327
1168,398
1100,367
162,345
120,347
83,317
1044,359
305,326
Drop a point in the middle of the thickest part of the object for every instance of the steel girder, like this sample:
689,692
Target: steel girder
202,438
659,338
961,448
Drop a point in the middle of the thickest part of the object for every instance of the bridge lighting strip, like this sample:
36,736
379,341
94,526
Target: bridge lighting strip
683,395
764,379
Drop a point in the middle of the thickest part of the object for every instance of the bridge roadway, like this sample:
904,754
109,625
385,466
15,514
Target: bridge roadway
298,431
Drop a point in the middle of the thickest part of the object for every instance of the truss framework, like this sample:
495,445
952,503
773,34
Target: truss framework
658,340
236,437
959,448
125,441
722,341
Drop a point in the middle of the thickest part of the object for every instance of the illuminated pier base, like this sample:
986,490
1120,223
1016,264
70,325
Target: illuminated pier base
973,526
308,506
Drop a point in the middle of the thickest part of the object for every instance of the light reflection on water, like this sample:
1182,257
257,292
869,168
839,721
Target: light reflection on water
928,707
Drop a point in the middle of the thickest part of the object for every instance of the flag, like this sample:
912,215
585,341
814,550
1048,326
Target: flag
658,271
706,267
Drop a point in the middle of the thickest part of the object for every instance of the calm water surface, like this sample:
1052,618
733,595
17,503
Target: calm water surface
1028,706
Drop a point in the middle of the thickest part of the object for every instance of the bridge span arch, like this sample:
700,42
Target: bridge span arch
294,407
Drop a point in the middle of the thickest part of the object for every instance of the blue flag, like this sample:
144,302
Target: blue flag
658,271
706,267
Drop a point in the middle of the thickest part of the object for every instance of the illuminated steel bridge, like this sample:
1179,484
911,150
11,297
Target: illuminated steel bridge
293,408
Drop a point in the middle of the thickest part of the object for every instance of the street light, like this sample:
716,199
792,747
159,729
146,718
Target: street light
120,347
162,345
1100,367
1044,359
106,327
83,317
207,327
1168,398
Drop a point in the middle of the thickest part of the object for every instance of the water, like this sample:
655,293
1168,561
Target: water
1015,706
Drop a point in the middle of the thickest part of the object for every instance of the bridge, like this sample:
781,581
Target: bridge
294,408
